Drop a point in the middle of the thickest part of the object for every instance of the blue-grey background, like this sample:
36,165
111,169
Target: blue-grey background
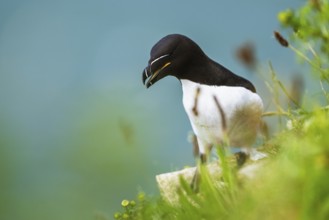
79,132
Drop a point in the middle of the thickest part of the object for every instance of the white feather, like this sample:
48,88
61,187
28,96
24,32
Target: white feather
242,111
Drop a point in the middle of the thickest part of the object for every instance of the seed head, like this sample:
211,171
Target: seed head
281,39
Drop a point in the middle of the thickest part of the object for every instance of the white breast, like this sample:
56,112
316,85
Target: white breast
242,111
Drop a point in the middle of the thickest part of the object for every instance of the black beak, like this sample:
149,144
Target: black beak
150,77
146,75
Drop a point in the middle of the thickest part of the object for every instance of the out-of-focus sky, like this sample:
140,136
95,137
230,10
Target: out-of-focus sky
79,130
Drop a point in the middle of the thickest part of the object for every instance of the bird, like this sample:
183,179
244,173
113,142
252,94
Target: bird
219,104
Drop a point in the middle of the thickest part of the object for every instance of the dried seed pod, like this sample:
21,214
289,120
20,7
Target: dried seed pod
246,55
281,39
196,98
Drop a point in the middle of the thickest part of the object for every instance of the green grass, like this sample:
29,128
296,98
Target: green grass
293,183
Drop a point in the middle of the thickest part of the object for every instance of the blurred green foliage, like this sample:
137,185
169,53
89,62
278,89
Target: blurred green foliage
310,30
101,158
292,184
6,199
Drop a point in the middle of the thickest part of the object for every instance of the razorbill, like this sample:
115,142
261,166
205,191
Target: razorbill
219,103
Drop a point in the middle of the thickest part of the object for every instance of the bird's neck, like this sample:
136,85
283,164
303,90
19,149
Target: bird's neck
205,72
209,72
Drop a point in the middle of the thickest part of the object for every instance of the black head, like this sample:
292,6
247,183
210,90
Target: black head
170,56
